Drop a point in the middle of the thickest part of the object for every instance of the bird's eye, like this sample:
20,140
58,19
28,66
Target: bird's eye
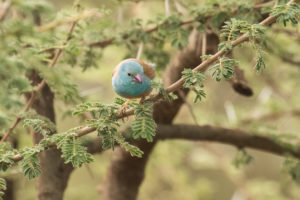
129,74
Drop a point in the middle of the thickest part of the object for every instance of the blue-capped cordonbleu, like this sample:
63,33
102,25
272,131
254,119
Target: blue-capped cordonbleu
132,79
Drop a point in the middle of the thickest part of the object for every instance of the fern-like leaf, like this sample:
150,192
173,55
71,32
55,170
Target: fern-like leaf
74,152
144,126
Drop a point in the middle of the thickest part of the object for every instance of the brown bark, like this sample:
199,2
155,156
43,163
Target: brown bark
126,173
52,182
9,192
235,137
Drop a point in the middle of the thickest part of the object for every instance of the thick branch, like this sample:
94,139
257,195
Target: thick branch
235,137
4,10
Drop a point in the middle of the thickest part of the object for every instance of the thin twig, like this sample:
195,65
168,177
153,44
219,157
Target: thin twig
140,50
56,23
189,106
180,9
109,41
4,10
167,8
204,45
256,6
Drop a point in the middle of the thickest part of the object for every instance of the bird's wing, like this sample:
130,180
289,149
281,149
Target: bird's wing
148,70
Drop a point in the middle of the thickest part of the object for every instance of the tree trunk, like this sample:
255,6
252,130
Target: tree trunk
126,173
53,180
9,192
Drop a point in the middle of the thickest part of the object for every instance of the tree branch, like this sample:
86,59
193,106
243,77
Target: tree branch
235,137
51,25
4,10
109,41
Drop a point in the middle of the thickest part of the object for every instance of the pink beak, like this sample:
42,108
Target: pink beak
138,78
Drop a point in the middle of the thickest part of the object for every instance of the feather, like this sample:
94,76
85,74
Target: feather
148,69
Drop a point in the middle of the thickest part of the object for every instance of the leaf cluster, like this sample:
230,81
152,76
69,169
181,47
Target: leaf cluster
144,126
286,13
224,68
194,81
158,86
242,158
105,119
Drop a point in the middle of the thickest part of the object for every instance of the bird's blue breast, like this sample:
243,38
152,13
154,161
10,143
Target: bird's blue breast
128,89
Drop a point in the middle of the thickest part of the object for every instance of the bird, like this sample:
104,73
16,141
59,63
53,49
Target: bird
131,79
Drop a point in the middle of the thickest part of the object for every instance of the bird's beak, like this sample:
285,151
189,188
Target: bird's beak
138,78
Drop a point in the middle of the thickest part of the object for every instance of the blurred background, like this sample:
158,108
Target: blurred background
194,170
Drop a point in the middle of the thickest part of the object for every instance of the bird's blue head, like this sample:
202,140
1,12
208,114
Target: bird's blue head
131,71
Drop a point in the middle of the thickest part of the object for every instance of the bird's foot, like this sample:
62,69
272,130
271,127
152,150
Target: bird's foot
142,100
123,109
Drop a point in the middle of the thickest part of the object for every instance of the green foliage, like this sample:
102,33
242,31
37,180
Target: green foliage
71,148
158,86
157,55
292,167
29,6
89,59
191,77
106,122
242,158
225,45
2,187
216,12
287,13
60,82
6,155
74,152
224,68
143,126
30,163
133,150
260,63
194,81
40,124
169,29
235,28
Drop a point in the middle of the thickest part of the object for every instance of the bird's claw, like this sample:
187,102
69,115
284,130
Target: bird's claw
123,109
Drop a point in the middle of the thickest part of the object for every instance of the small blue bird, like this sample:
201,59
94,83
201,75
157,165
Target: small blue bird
132,79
